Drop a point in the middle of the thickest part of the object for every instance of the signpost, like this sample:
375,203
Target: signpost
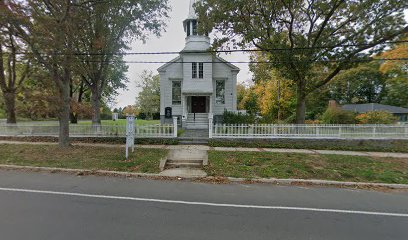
130,134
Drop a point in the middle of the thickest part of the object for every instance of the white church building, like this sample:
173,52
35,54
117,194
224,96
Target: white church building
197,83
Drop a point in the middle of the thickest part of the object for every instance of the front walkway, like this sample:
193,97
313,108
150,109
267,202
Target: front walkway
280,150
233,149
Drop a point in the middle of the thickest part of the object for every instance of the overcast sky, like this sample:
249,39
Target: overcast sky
172,40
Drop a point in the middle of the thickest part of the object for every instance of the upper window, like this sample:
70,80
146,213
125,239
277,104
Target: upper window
195,27
176,93
201,70
220,92
188,29
194,69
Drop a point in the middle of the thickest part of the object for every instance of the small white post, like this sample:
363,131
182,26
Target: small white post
374,131
406,131
130,134
134,126
210,125
340,131
175,127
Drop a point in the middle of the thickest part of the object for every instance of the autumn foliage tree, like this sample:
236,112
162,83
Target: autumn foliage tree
48,29
107,29
396,73
303,36
14,68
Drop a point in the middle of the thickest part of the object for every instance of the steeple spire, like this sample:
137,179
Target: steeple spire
190,24
192,13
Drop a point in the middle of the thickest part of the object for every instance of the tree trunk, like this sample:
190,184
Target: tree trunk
279,101
10,102
301,102
73,118
96,106
64,115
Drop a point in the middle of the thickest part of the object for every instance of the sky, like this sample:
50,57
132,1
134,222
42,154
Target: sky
172,40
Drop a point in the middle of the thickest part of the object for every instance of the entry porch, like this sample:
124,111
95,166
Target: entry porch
196,109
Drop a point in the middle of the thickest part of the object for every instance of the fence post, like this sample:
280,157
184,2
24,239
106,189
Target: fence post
210,125
406,131
339,131
175,127
130,134
374,131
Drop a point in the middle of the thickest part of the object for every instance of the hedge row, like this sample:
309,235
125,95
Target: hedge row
377,145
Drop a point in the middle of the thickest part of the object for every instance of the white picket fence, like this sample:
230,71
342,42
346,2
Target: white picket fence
143,131
309,131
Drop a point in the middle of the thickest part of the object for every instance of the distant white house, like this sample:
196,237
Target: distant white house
196,83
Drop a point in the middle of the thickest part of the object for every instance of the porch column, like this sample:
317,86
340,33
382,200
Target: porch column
183,105
211,104
183,110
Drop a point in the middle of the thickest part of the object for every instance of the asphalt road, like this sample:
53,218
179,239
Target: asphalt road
59,206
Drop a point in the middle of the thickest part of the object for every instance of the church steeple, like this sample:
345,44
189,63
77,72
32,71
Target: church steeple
194,41
190,24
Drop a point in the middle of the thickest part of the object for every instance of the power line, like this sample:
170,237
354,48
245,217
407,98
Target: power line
222,51
256,62
248,62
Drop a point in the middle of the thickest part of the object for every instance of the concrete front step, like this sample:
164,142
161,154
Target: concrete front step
189,163
196,127
185,159
197,124
170,165
184,172
192,161
197,121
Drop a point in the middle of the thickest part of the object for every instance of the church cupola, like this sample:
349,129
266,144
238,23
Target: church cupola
190,24
194,41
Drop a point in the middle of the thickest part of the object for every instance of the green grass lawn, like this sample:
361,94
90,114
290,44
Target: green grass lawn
305,166
81,157
122,122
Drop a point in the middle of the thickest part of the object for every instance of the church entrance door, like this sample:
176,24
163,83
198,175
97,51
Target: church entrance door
199,104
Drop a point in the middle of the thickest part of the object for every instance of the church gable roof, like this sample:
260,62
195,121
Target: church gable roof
230,65
165,66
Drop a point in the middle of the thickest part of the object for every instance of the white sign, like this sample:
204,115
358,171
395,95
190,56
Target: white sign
130,134
115,116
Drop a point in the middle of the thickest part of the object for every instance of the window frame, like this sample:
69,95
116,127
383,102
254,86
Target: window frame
194,70
201,70
173,102
217,96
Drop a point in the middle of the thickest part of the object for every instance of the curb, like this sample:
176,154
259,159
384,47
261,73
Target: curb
318,182
276,181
